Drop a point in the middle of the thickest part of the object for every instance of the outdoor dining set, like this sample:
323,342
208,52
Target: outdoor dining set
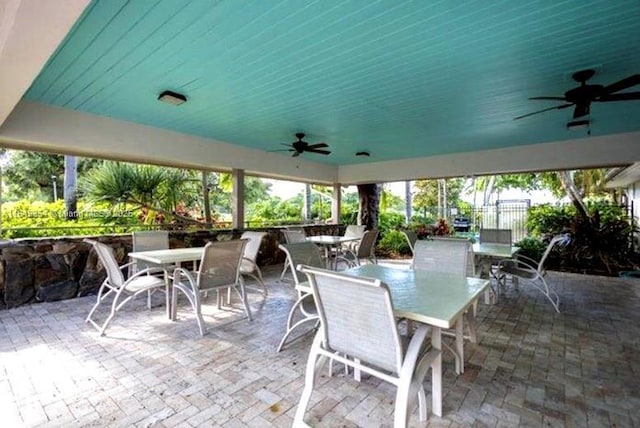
359,314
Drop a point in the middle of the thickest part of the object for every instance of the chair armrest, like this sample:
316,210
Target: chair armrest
179,273
253,262
518,263
142,272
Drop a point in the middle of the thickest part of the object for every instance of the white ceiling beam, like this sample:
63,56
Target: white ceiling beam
30,31
39,127
588,152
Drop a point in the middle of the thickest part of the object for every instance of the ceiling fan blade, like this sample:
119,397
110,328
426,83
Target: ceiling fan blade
281,150
317,146
548,98
321,152
286,144
625,96
622,84
296,154
580,110
561,106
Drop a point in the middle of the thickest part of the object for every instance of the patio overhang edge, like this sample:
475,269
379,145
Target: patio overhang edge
39,127
590,152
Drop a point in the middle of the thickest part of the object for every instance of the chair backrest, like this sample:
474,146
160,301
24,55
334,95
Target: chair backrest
442,255
108,259
296,229
293,236
254,239
471,265
556,240
220,264
356,317
496,236
302,253
411,238
354,231
148,241
367,244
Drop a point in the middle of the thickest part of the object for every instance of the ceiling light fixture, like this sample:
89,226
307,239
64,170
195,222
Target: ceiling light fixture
172,98
580,124
363,154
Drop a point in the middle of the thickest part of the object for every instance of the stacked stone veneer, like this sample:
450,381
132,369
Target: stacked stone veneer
50,269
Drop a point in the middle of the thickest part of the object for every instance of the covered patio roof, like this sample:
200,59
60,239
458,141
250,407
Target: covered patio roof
429,90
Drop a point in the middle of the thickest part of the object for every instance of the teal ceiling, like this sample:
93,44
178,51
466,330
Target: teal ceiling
398,79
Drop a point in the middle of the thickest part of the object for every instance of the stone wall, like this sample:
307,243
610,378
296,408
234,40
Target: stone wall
50,269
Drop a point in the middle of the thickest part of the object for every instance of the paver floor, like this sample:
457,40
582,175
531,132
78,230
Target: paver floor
531,367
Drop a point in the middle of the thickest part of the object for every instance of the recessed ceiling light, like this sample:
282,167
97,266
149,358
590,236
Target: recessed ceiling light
172,98
363,154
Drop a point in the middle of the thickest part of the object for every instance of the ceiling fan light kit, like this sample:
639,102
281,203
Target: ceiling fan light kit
298,147
582,96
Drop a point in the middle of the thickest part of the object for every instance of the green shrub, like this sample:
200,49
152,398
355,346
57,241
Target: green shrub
531,247
393,243
390,221
26,219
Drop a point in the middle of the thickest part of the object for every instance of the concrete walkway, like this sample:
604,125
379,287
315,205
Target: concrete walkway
531,367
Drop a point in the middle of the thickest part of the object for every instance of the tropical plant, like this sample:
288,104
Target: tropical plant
531,247
393,243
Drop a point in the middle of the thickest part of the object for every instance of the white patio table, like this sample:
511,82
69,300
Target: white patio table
331,241
165,259
435,299
485,254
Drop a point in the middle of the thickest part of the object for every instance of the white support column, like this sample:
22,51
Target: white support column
336,202
237,199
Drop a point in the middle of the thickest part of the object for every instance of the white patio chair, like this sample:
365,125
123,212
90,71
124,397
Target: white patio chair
448,256
292,236
364,251
306,253
358,328
525,268
148,241
411,238
249,267
219,269
123,290
353,231
496,236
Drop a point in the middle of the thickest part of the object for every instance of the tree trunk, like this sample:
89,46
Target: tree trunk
369,195
206,203
569,186
407,200
488,190
71,187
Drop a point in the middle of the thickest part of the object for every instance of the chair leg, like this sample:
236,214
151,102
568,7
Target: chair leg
99,299
314,362
291,326
243,297
112,313
284,269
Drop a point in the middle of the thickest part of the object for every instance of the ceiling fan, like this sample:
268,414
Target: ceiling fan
582,96
299,147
